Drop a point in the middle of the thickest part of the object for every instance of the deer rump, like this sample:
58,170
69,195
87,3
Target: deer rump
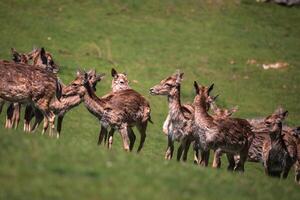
26,83
125,106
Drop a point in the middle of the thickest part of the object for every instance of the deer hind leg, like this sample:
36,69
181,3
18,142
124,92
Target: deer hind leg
186,150
132,138
16,115
204,158
102,134
124,133
217,159
29,114
180,150
110,138
142,129
9,116
231,161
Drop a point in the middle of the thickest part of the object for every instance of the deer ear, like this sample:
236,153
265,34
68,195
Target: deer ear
13,50
179,77
215,97
43,52
113,72
210,88
196,86
284,114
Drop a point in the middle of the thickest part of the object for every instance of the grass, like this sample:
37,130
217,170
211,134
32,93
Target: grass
149,40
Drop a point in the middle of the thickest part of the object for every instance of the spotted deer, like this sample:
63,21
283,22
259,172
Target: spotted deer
277,159
232,136
178,124
120,110
72,96
296,134
119,82
29,84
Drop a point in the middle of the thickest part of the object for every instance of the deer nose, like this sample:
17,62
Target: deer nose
151,91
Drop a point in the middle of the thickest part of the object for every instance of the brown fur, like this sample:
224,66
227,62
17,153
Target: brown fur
277,159
120,110
24,83
231,136
180,118
72,96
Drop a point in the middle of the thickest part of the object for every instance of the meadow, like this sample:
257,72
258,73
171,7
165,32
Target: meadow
210,41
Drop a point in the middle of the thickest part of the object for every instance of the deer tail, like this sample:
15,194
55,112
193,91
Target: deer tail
58,89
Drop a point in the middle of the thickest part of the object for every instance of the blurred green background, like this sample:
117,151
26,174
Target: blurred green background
210,41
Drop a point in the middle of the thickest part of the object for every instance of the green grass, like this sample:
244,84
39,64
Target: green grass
149,40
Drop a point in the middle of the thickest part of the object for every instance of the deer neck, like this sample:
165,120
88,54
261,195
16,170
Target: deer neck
65,103
277,138
175,104
94,104
202,118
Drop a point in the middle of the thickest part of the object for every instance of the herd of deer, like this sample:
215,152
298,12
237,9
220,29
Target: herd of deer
31,80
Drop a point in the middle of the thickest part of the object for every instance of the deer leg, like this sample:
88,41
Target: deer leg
38,119
179,151
102,134
170,148
297,172
142,129
204,158
217,158
124,133
110,138
1,105
231,161
29,114
241,163
132,138
9,115
59,123
186,150
16,115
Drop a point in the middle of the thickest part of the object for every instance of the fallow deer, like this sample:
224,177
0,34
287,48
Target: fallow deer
179,122
72,96
296,133
119,82
119,110
277,160
232,136
29,84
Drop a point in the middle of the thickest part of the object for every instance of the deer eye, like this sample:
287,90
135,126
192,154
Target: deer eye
168,85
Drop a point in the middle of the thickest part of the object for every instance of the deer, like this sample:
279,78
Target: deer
277,159
72,96
232,136
40,58
119,82
296,134
120,110
178,124
29,84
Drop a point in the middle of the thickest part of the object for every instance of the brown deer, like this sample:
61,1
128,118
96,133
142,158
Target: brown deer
296,133
231,136
29,84
277,160
179,122
72,96
119,82
119,110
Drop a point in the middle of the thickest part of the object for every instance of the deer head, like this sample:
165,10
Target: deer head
120,81
223,113
274,122
168,86
76,87
43,59
203,97
18,57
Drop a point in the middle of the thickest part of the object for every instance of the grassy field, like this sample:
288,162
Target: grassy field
149,40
